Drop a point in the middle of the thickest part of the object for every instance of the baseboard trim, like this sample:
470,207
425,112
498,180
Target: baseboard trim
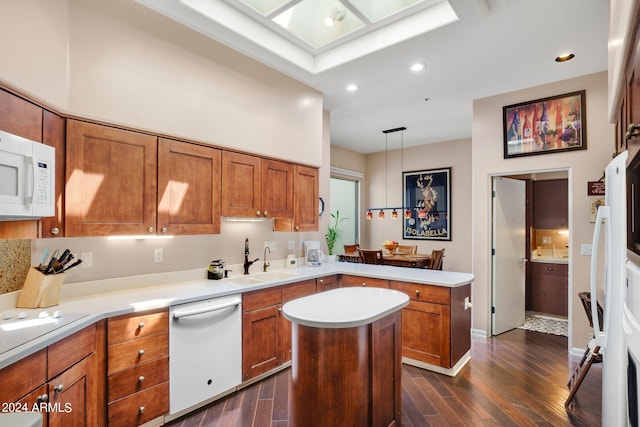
452,372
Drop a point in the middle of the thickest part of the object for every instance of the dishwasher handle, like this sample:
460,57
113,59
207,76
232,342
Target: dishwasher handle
207,309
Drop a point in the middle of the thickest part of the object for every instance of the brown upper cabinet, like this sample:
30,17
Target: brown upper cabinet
123,182
254,187
305,202
550,204
53,134
111,181
188,188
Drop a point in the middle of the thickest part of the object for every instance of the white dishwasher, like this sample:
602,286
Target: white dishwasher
205,350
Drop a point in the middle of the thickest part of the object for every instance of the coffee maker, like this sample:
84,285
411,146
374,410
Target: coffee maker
313,255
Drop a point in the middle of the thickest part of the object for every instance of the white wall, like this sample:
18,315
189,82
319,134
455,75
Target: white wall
454,154
122,63
584,165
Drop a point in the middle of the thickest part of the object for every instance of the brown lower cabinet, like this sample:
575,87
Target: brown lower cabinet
137,368
549,287
266,334
436,328
66,377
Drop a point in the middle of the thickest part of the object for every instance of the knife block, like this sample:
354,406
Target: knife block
40,290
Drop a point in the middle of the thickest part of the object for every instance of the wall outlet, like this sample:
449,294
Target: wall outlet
158,255
87,259
546,240
585,250
291,245
271,244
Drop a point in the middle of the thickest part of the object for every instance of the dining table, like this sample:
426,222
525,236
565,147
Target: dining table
398,260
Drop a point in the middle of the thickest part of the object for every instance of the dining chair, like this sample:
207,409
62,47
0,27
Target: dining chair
370,256
407,249
436,259
351,248
591,354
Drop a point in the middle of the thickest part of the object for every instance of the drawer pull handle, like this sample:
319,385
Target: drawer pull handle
364,283
55,230
280,310
140,352
417,292
140,325
321,280
140,378
59,388
43,397
141,409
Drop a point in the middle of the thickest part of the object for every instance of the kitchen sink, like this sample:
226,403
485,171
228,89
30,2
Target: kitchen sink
264,277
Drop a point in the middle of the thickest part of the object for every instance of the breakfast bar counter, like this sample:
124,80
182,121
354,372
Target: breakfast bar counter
346,357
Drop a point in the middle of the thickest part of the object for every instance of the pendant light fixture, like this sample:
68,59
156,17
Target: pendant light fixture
394,213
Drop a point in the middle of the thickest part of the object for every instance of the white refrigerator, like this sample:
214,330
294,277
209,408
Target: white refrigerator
613,217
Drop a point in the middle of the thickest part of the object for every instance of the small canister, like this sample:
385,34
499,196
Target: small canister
216,270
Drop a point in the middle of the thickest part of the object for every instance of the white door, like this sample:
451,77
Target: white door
509,261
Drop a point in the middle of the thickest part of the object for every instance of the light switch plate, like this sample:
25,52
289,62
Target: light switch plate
546,240
585,250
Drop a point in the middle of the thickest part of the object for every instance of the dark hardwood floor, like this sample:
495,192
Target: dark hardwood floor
515,379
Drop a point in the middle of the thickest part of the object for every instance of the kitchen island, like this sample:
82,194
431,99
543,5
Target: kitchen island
346,361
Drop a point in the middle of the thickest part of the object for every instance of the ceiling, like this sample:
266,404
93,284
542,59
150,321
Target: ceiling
472,49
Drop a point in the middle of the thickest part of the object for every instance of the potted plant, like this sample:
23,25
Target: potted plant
333,232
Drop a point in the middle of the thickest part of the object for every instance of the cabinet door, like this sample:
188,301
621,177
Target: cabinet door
549,287
188,188
550,204
277,189
305,200
38,398
111,181
53,134
241,187
426,333
73,394
261,341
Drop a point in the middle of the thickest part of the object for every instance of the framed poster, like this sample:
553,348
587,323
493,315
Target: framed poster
548,125
427,196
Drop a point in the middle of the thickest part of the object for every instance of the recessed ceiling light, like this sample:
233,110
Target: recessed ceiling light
352,88
563,57
418,66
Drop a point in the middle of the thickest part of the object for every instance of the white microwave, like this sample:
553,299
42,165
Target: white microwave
27,178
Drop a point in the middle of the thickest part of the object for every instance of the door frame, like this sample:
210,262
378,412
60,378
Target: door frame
571,241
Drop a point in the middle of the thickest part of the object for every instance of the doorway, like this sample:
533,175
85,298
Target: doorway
532,283
345,197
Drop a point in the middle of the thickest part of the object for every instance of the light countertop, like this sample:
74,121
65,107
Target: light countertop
111,297
344,307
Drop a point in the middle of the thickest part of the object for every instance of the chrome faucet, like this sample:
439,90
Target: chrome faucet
266,263
247,263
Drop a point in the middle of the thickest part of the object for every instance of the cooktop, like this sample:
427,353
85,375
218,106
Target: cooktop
19,326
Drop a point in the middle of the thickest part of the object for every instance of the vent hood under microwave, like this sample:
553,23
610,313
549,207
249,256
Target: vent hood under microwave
27,178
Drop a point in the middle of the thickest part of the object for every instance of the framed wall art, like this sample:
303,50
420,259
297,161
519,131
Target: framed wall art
427,197
548,125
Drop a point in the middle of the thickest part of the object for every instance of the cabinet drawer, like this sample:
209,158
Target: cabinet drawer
426,293
140,407
138,378
71,350
549,269
327,283
364,281
24,376
136,352
261,298
298,290
123,328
